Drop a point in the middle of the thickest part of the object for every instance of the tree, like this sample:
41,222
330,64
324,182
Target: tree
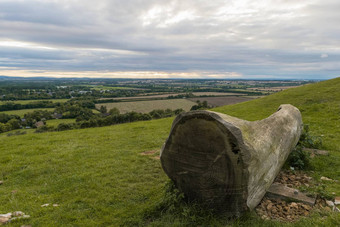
14,124
103,109
114,111
2,127
200,105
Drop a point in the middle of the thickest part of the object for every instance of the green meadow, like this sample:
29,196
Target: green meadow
56,122
98,177
34,100
22,112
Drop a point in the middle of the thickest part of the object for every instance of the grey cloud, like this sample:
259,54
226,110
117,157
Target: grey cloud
282,38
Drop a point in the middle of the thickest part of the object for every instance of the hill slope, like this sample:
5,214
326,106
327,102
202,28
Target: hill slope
98,177
319,104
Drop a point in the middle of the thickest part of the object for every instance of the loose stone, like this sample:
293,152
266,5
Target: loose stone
329,203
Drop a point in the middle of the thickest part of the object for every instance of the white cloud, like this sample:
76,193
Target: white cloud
246,37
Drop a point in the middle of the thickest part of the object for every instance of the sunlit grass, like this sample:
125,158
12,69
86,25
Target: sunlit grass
56,122
33,100
21,113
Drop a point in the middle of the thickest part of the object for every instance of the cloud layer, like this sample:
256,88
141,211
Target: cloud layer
201,39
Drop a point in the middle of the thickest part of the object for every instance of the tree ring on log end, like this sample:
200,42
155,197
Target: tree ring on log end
203,156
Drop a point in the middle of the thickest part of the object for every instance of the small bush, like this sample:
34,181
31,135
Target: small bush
299,158
309,141
45,128
65,126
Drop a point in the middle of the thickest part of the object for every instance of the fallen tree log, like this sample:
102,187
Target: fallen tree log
225,162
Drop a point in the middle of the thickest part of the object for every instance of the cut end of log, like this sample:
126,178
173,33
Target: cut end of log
204,159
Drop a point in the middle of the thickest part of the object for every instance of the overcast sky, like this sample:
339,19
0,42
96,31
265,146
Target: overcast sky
180,39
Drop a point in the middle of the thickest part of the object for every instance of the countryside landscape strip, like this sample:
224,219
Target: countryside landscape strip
97,176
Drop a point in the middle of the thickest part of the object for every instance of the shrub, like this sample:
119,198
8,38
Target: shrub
200,105
64,126
114,111
299,158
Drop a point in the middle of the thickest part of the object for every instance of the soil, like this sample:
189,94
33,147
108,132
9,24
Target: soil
285,211
151,154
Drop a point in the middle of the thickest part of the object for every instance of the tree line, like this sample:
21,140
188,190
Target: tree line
109,118
82,111
32,105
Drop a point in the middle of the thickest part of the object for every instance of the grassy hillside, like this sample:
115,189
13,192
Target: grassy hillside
98,177
319,104
95,175
320,108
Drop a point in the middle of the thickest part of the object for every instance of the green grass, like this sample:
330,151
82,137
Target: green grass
147,106
56,122
96,175
21,113
37,100
13,133
98,178
95,111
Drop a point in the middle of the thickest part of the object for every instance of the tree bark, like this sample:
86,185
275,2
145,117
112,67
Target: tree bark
228,163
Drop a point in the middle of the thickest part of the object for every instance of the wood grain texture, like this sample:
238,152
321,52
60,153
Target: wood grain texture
225,162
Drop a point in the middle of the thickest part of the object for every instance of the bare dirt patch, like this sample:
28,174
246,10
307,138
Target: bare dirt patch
290,211
149,152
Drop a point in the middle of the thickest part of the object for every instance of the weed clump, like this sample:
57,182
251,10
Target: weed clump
299,158
178,209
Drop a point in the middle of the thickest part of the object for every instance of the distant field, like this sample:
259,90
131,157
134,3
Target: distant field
174,94
221,101
37,100
147,106
215,93
142,97
56,122
21,113
271,88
